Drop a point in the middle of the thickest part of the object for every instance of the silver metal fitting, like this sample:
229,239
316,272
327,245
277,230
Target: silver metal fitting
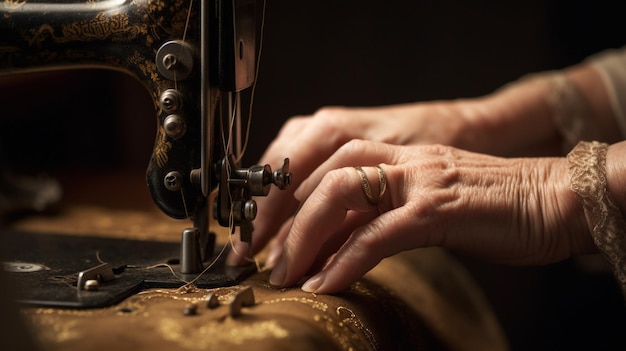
174,126
171,101
175,60
173,181
92,285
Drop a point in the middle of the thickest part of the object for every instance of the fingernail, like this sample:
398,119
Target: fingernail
273,256
314,283
278,273
296,194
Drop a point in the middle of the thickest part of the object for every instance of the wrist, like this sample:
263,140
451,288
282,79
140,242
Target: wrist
518,119
472,126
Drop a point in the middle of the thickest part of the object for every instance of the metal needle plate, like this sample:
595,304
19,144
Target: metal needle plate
61,258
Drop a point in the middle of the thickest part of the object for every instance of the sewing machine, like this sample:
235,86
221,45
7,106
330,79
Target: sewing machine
194,58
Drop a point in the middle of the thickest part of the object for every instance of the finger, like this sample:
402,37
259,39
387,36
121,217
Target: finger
320,216
268,220
241,251
305,150
354,153
353,220
275,246
386,235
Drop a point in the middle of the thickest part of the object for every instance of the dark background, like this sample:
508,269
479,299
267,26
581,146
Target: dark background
356,53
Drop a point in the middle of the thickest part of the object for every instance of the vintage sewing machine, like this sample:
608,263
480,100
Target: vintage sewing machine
194,57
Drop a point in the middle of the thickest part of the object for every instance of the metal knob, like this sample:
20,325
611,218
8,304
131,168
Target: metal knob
174,126
175,60
171,101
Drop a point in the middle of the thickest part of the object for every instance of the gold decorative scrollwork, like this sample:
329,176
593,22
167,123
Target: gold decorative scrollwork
161,148
115,27
146,66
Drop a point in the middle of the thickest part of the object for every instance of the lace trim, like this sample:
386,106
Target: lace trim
611,65
570,113
588,179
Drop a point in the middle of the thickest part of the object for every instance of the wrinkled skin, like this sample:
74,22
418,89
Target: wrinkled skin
516,210
436,196
309,140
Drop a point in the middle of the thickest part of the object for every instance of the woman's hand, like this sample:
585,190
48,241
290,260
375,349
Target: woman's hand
309,141
511,121
516,211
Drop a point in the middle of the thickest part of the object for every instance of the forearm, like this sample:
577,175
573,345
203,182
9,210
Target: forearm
515,120
593,92
542,114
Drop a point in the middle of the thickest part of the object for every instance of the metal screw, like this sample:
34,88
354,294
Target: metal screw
249,210
92,285
170,61
172,181
171,101
282,177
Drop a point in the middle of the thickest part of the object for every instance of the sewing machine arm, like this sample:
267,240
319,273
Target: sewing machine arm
193,58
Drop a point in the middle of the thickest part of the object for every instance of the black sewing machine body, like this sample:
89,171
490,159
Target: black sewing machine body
164,46
193,57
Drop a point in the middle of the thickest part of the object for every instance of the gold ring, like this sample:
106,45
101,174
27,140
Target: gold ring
365,184
367,188
382,180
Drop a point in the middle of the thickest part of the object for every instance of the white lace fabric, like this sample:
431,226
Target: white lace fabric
587,164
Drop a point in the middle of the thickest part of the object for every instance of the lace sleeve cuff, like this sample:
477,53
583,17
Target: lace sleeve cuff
588,179
611,65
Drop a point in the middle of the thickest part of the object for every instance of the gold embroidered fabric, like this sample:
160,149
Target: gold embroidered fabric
422,299
588,179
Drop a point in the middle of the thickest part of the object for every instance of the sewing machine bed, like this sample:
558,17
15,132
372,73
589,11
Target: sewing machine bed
419,300
45,266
